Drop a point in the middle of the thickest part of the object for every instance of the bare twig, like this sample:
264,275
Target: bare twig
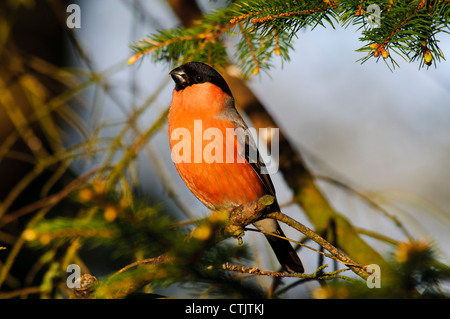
318,274
50,200
354,266
20,292
248,213
164,258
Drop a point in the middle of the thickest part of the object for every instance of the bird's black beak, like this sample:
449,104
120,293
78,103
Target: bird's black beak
180,78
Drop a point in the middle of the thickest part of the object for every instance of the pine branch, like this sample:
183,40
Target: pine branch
184,256
263,27
408,28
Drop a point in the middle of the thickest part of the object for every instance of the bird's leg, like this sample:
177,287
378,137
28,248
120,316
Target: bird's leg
246,214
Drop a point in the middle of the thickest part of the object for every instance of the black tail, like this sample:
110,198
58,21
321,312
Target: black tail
286,255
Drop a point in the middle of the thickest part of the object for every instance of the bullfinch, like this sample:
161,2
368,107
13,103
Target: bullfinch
222,173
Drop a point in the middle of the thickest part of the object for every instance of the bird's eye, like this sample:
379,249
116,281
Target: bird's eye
198,78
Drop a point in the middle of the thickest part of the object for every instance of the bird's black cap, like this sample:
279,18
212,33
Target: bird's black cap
195,73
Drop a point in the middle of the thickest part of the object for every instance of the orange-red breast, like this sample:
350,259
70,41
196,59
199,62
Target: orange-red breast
202,105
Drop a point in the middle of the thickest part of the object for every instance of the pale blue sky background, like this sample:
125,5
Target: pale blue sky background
379,131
